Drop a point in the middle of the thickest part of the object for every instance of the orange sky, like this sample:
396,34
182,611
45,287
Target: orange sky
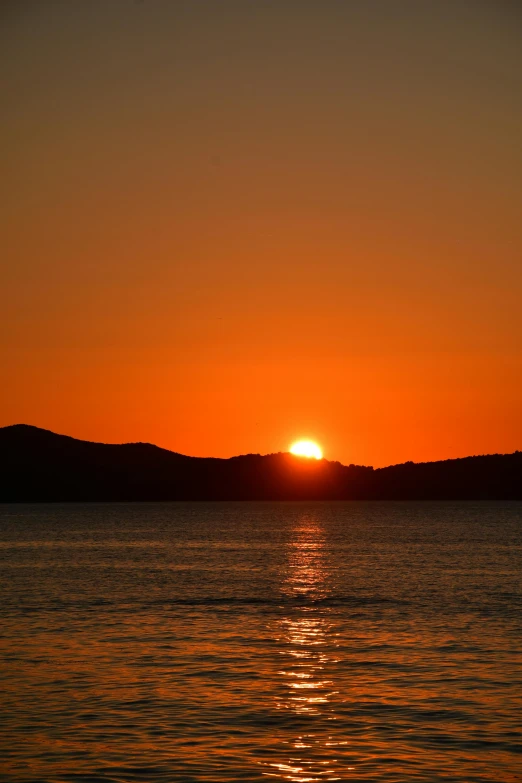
229,225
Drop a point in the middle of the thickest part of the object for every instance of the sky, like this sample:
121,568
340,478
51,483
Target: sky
227,225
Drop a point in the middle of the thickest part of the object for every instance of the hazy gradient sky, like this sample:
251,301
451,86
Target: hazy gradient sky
230,224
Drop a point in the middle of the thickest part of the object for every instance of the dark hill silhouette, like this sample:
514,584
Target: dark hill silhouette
37,465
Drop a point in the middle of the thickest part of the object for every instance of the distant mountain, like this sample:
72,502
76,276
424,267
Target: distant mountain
37,465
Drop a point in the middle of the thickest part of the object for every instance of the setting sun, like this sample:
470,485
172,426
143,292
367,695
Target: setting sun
306,448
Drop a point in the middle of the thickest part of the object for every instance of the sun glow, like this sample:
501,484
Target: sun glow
306,448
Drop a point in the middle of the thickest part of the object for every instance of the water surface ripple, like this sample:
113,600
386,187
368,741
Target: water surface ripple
255,641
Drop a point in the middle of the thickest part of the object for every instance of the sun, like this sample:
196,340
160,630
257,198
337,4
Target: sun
306,448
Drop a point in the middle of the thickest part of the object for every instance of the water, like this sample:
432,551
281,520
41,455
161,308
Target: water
291,641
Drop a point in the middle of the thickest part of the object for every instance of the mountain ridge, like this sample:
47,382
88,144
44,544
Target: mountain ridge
39,465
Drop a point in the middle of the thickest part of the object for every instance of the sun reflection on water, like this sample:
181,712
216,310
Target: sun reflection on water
308,642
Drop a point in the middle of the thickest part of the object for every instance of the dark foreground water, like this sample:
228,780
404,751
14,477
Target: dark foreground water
293,641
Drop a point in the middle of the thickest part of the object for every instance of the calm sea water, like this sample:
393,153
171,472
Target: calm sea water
292,641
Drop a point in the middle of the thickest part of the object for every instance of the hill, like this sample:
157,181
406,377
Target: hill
37,465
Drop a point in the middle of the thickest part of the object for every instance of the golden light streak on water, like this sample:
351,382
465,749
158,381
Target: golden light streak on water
307,688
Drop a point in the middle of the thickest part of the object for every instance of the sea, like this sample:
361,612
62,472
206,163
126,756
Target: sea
346,641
